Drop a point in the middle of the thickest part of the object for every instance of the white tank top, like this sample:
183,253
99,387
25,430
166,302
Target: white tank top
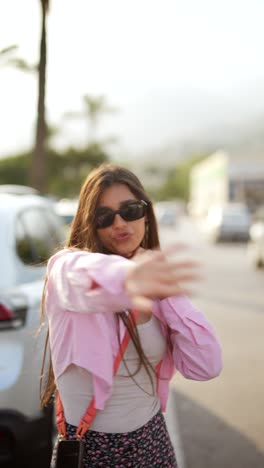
132,404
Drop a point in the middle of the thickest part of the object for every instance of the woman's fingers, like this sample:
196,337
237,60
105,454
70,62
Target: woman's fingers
142,304
161,260
155,276
172,275
156,288
170,272
175,248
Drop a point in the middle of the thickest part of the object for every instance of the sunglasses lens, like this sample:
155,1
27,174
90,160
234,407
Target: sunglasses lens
105,219
133,211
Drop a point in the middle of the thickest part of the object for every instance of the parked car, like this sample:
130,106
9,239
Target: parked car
256,241
167,213
30,231
66,209
18,189
228,222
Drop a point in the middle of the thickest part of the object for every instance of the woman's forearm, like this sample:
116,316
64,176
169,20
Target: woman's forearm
196,349
89,282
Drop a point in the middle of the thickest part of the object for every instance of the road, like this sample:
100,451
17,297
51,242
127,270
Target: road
221,422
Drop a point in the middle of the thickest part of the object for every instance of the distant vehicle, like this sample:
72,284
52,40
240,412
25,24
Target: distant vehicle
228,222
66,209
30,232
167,213
256,241
18,189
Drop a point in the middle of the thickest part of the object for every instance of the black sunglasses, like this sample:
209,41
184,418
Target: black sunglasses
130,211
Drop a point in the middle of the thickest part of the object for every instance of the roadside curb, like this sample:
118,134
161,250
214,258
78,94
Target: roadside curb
172,421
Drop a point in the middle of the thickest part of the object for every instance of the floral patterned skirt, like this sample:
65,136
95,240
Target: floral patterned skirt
149,446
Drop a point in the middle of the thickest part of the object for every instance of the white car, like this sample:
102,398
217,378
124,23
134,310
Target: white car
228,222
18,189
30,231
256,242
167,212
66,209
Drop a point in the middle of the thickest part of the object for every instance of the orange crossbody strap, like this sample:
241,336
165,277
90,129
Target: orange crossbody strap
90,414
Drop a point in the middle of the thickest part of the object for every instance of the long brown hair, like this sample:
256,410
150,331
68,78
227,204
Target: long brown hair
83,236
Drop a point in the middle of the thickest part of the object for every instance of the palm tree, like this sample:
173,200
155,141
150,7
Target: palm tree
38,174
38,171
94,108
6,53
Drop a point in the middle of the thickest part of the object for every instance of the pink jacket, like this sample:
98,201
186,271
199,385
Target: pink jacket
83,326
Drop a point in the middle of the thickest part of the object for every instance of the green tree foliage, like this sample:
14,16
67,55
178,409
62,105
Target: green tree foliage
14,170
177,184
177,181
66,171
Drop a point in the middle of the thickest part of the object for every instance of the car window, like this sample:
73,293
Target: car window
23,244
55,226
259,215
38,235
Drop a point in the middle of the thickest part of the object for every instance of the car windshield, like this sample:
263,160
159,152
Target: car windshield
235,215
259,215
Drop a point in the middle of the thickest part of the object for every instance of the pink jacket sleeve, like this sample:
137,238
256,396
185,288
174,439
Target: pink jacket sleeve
195,348
72,276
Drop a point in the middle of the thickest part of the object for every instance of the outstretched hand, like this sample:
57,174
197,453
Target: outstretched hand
154,276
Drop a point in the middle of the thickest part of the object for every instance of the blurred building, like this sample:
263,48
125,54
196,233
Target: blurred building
222,178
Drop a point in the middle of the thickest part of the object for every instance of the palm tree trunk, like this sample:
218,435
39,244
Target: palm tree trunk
38,173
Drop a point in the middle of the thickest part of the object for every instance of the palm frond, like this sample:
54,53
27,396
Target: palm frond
8,49
72,115
22,65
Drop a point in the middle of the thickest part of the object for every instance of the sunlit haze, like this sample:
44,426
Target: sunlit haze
172,68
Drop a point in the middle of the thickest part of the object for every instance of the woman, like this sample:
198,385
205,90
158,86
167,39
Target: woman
111,265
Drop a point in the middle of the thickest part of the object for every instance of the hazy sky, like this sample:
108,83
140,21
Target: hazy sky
168,65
